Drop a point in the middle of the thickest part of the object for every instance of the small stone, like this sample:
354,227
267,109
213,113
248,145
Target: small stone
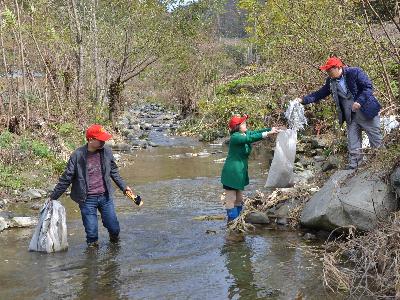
23,222
135,127
330,164
167,117
220,161
282,211
131,136
3,224
152,144
309,237
319,158
318,143
303,177
32,194
282,221
203,154
146,126
257,218
36,206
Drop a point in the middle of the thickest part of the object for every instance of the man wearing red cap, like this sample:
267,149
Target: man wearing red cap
352,91
90,170
234,176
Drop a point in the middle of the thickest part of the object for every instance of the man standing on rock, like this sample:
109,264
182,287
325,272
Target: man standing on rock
90,170
352,92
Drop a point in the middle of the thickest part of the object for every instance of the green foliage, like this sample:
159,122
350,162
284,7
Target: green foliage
6,138
9,177
251,84
58,165
40,149
66,129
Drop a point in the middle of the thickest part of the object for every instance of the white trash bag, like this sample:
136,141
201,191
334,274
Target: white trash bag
281,173
51,232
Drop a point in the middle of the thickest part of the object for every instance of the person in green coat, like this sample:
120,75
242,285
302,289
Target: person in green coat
235,174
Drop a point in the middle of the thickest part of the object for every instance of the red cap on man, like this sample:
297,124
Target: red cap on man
237,120
97,132
331,62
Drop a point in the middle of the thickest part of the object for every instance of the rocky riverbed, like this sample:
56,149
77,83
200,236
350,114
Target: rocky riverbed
325,196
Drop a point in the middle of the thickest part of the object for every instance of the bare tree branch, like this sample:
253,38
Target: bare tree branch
141,67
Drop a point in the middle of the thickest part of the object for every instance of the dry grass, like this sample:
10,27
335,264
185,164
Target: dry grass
365,265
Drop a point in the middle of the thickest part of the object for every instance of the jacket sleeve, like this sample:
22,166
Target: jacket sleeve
65,179
249,137
365,87
114,173
318,95
260,130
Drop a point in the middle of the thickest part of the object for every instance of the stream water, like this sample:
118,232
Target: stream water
163,252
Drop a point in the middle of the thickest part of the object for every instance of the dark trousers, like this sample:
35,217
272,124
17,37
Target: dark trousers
89,208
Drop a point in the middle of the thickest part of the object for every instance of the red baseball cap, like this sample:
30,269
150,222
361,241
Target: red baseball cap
97,132
237,120
331,62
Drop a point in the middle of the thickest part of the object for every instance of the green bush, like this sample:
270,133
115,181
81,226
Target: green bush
8,177
58,165
6,138
24,144
66,129
39,149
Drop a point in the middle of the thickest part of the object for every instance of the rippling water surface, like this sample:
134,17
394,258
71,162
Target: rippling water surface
164,253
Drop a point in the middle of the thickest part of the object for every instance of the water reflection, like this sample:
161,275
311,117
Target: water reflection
164,253
239,259
101,274
238,263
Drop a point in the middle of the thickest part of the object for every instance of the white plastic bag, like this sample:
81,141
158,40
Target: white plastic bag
51,232
294,115
388,123
281,171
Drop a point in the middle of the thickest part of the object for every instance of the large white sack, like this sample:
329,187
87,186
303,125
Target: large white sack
51,232
281,171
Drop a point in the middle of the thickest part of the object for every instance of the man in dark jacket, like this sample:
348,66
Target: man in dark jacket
356,105
90,170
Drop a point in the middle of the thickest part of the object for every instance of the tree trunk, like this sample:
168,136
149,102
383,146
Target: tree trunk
46,96
114,93
95,51
22,57
79,41
6,71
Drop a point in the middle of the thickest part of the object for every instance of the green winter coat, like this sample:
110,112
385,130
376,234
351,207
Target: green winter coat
235,171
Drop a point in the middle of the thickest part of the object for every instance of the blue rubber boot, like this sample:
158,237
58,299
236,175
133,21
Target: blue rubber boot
239,209
232,213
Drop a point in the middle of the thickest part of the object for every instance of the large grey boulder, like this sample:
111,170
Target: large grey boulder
395,181
349,198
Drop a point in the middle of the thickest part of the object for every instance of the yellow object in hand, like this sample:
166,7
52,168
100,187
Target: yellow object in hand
136,199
